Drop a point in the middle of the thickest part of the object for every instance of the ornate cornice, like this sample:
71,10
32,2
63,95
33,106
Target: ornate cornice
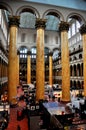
40,23
63,26
14,20
83,29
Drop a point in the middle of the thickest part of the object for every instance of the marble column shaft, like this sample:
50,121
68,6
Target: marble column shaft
83,33
0,68
40,65
17,69
28,69
65,62
50,70
12,71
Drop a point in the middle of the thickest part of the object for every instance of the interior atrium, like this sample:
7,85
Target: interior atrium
43,46
26,41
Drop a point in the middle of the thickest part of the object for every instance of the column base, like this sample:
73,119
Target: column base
64,102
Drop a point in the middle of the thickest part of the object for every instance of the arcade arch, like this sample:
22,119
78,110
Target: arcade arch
6,7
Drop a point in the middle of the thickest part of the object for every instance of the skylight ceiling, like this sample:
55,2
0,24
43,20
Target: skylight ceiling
27,20
52,23
74,4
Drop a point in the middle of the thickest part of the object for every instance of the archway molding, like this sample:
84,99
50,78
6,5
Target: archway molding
28,9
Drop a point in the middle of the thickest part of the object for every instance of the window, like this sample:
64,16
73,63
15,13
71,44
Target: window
23,52
55,54
2,22
80,37
56,40
46,39
33,53
77,26
69,33
73,29
80,56
34,38
33,50
0,16
23,37
74,58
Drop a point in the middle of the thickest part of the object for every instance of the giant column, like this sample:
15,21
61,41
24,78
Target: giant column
12,82
17,68
50,69
63,28
28,68
40,64
83,33
0,68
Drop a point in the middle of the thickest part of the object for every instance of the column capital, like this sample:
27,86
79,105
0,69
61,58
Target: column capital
83,29
50,53
29,53
63,26
14,20
40,23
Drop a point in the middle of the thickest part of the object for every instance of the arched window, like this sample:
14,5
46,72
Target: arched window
33,53
77,26
55,54
80,56
74,58
23,52
23,62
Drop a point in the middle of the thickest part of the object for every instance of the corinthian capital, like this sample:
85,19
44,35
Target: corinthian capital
14,20
63,26
83,29
40,23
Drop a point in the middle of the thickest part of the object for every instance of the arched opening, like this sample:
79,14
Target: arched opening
78,70
82,69
80,56
71,84
23,63
71,70
75,72
75,84
33,64
27,20
79,85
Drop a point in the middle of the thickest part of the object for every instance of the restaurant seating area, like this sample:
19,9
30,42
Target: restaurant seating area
49,114
59,116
